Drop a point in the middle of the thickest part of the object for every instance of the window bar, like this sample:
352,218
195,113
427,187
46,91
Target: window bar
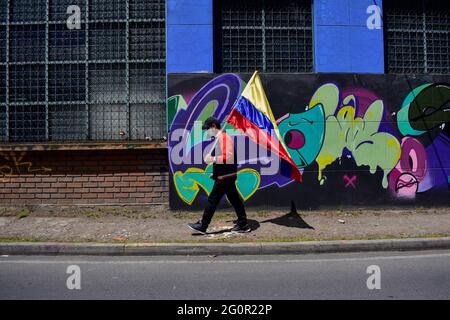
8,13
47,18
263,35
127,68
425,55
86,69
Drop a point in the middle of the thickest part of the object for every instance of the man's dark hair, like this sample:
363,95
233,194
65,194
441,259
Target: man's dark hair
210,122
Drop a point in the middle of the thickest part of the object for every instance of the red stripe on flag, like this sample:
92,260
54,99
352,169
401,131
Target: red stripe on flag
263,138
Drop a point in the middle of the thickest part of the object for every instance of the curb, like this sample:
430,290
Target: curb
172,249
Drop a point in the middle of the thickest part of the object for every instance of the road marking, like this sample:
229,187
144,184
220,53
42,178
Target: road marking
425,256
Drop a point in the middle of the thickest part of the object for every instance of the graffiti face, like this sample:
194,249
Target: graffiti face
303,134
344,139
411,169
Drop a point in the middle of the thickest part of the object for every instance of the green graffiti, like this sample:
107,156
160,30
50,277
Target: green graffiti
361,137
425,108
174,104
189,183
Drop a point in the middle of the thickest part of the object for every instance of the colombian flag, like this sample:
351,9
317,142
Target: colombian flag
252,115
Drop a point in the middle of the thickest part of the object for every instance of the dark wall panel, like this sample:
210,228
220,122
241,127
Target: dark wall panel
358,139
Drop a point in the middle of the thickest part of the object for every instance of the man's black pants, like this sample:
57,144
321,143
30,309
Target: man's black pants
222,187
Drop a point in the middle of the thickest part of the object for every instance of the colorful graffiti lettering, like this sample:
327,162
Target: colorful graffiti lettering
345,130
401,141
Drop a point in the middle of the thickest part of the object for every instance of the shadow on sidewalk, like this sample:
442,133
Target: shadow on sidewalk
291,220
253,224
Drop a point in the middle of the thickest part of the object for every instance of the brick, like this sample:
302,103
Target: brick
43,185
65,190
74,196
58,196
106,196
28,185
145,178
75,185
121,195
137,174
130,179
11,196
43,196
138,195
90,184
106,184
122,184
26,196
59,185
96,179
36,191
89,196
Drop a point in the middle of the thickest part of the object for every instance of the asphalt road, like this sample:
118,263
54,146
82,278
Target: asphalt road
413,275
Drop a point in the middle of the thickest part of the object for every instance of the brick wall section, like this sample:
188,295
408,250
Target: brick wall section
84,177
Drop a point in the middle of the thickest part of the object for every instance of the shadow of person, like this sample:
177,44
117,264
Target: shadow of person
253,224
291,220
217,232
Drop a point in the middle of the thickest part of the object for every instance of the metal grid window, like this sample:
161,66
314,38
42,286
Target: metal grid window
65,44
417,35
266,35
104,81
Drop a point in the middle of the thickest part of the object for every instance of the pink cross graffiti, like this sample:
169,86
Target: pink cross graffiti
350,181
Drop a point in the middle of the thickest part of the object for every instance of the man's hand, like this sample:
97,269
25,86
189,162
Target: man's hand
209,159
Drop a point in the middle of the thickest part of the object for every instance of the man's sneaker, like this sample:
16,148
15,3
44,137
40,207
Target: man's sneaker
198,226
241,229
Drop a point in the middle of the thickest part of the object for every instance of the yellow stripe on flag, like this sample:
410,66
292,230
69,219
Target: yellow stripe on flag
254,92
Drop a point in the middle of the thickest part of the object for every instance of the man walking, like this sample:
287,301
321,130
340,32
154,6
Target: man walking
224,160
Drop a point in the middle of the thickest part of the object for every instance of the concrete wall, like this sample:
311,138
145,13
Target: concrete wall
359,139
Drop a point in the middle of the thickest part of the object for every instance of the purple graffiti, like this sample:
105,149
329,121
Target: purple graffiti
411,169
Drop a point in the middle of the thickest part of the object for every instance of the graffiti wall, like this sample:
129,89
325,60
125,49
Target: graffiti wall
359,140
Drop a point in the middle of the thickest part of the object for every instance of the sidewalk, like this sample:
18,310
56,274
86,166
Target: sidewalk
124,225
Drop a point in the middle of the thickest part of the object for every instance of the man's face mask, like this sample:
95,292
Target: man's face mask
211,132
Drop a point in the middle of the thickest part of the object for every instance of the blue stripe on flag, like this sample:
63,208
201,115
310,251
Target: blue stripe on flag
249,111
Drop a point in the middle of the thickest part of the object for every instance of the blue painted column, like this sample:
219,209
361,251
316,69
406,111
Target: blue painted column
189,36
343,41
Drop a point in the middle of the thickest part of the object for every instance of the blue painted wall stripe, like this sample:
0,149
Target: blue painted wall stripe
189,36
342,40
